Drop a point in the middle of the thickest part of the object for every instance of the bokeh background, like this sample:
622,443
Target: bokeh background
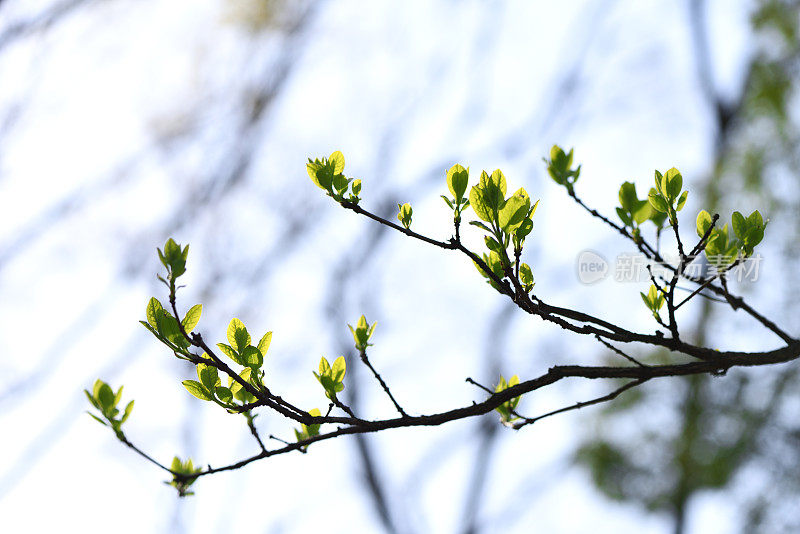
124,122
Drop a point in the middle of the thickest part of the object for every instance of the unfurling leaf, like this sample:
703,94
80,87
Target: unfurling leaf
526,276
103,398
457,180
182,478
404,214
559,167
331,377
507,408
362,333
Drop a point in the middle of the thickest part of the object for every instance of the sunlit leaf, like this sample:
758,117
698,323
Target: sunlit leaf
196,388
192,317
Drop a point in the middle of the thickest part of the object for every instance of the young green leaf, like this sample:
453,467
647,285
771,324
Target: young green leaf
739,224
174,258
515,210
624,216
154,309
654,300
308,431
674,182
404,214
168,327
338,369
192,317
251,357
492,244
324,366
457,180
105,397
526,276
337,160
524,229
627,197
320,174
681,201
506,409
237,389
642,212
263,344
660,185
361,333
657,201
238,336
229,351
481,226
755,220
208,376
559,167
197,389
224,394
704,221
127,412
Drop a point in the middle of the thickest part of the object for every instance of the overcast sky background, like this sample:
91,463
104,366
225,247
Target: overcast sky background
127,122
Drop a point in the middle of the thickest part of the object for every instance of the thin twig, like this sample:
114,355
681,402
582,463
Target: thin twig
251,425
382,383
621,353
578,405
484,388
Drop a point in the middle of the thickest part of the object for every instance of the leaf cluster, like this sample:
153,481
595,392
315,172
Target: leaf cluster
163,325
559,167
308,431
328,174
404,213
667,192
457,181
362,333
654,300
331,377
507,222
182,476
722,249
506,409
634,212
239,349
103,398
173,257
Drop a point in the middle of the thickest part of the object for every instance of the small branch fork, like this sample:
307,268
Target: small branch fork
708,360
652,254
378,377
